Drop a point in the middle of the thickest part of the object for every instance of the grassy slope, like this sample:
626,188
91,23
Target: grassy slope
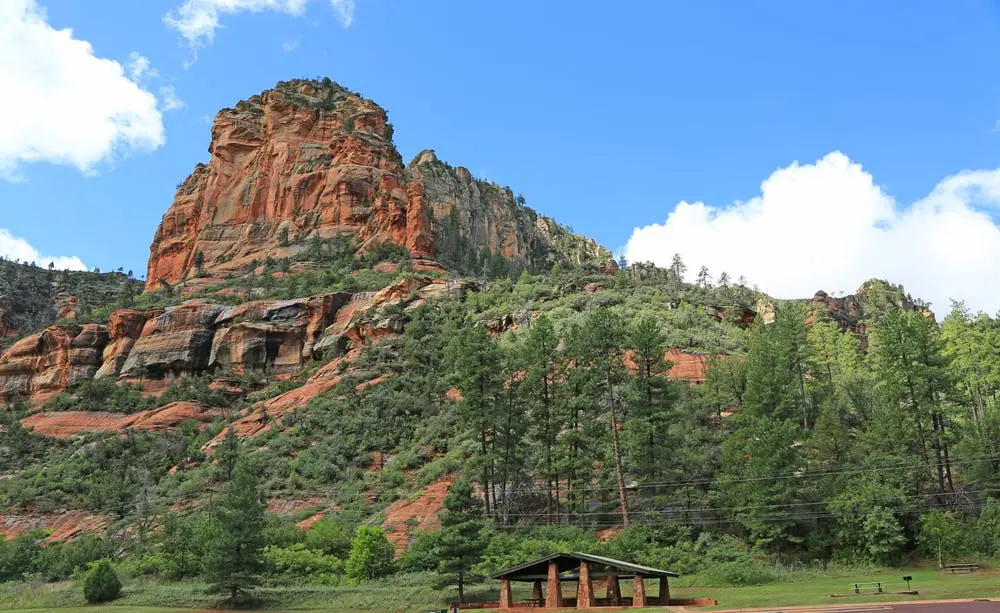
414,593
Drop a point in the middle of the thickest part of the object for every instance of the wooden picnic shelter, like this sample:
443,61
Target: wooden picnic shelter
590,572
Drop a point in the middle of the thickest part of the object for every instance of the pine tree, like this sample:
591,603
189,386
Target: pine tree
539,357
906,355
776,367
647,437
233,559
476,361
228,454
462,538
599,348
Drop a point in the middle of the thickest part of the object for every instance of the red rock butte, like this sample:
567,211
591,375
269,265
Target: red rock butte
310,159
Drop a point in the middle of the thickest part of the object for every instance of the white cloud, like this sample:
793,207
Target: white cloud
140,68
169,100
289,46
829,226
61,103
14,248
198,20
345,11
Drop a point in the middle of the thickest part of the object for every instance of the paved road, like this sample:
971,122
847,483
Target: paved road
948,607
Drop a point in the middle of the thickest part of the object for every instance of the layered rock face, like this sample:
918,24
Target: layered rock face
276,336
310,159
64,424
41,365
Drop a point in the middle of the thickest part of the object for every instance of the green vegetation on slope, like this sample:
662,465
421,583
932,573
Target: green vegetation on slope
32,297
805,443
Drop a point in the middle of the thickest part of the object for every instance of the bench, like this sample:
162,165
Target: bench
875,587
962,568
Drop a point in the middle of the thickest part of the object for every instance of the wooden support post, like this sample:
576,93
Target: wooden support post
584,588
638,592
553,589
536,592
505,596
614,593
664,592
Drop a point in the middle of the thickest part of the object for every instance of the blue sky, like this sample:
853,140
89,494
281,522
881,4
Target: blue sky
610,117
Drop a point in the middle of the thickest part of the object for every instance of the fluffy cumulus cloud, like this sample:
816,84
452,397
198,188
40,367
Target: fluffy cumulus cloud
63,104
198,20
14,248
830,226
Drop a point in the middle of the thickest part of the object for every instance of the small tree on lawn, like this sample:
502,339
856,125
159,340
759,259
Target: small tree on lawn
462,538
234,560
371,555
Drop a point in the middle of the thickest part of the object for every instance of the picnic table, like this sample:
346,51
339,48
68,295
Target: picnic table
962,568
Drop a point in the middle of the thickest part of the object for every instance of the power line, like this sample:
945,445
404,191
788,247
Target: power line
792,475
777,505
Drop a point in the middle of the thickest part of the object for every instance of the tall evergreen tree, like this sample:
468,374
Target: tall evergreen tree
233,558
476,363
648,435
462,538
599,348
540,356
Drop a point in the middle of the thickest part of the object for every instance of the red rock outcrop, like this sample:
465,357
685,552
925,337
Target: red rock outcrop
62,527
418,513
308,160
65,424
124,328
177,341
687,367
279,336
41,365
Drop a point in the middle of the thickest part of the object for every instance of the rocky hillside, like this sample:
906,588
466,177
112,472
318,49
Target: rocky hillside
32,297
372,332
310,160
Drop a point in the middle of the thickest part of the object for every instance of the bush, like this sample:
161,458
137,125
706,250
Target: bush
298,565
371,555
741,573
730,563
61,560
330,537
422,553
101,584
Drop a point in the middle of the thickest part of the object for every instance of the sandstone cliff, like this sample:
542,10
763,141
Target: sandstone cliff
273,336
471,217
310,159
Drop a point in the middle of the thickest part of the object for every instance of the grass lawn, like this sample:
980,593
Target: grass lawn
414,594
816,588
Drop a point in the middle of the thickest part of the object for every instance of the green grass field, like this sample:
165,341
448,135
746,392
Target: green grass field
414,594
816,589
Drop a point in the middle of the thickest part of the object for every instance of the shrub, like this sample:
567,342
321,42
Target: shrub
741,573
422,554
371,555
298,565
101,584
61,560
728,562
330,537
